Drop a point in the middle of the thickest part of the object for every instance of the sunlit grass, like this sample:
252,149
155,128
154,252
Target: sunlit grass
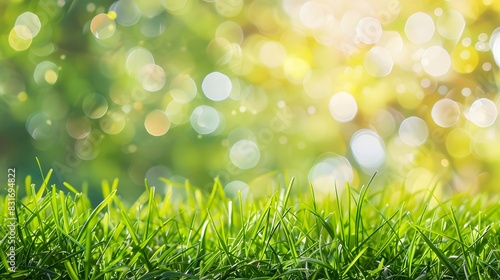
290,235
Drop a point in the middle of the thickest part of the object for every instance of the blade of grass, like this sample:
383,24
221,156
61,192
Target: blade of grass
98,209
438,253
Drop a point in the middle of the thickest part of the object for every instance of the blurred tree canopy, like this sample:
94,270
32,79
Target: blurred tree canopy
327,91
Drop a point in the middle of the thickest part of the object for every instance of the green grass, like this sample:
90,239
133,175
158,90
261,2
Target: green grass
364,234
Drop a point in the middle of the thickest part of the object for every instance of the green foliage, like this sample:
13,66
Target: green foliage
199,89
359,234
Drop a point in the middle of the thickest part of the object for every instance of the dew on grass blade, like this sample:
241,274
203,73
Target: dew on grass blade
330,172
413,131
368,149
27,25
216,86
205,119
445,112
95,106
157,123
419,28
102,26
483,112
343,107
244,154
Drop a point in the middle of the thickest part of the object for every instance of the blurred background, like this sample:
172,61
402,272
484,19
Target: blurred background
252,93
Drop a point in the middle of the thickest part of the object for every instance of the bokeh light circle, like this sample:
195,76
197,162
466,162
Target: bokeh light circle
46,72
418,179
316,14
244,154
41,126
317,84
232,188
154,175
216,86
177,112
102,26
78,127
17,43
495,45
451,25
27,25
458,143
436,61
343,107
229,8
445,112
95,106
413,131
153,27
127,12
231,31
152,77
205,119
378,62
368,149
157,123
113,122
419,28
483,112
137,58
331,172
369,30
272,54
183,88
464,59
175,6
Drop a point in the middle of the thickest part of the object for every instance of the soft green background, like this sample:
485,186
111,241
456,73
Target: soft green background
286,60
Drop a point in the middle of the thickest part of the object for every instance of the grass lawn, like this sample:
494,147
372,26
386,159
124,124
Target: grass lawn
291,235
